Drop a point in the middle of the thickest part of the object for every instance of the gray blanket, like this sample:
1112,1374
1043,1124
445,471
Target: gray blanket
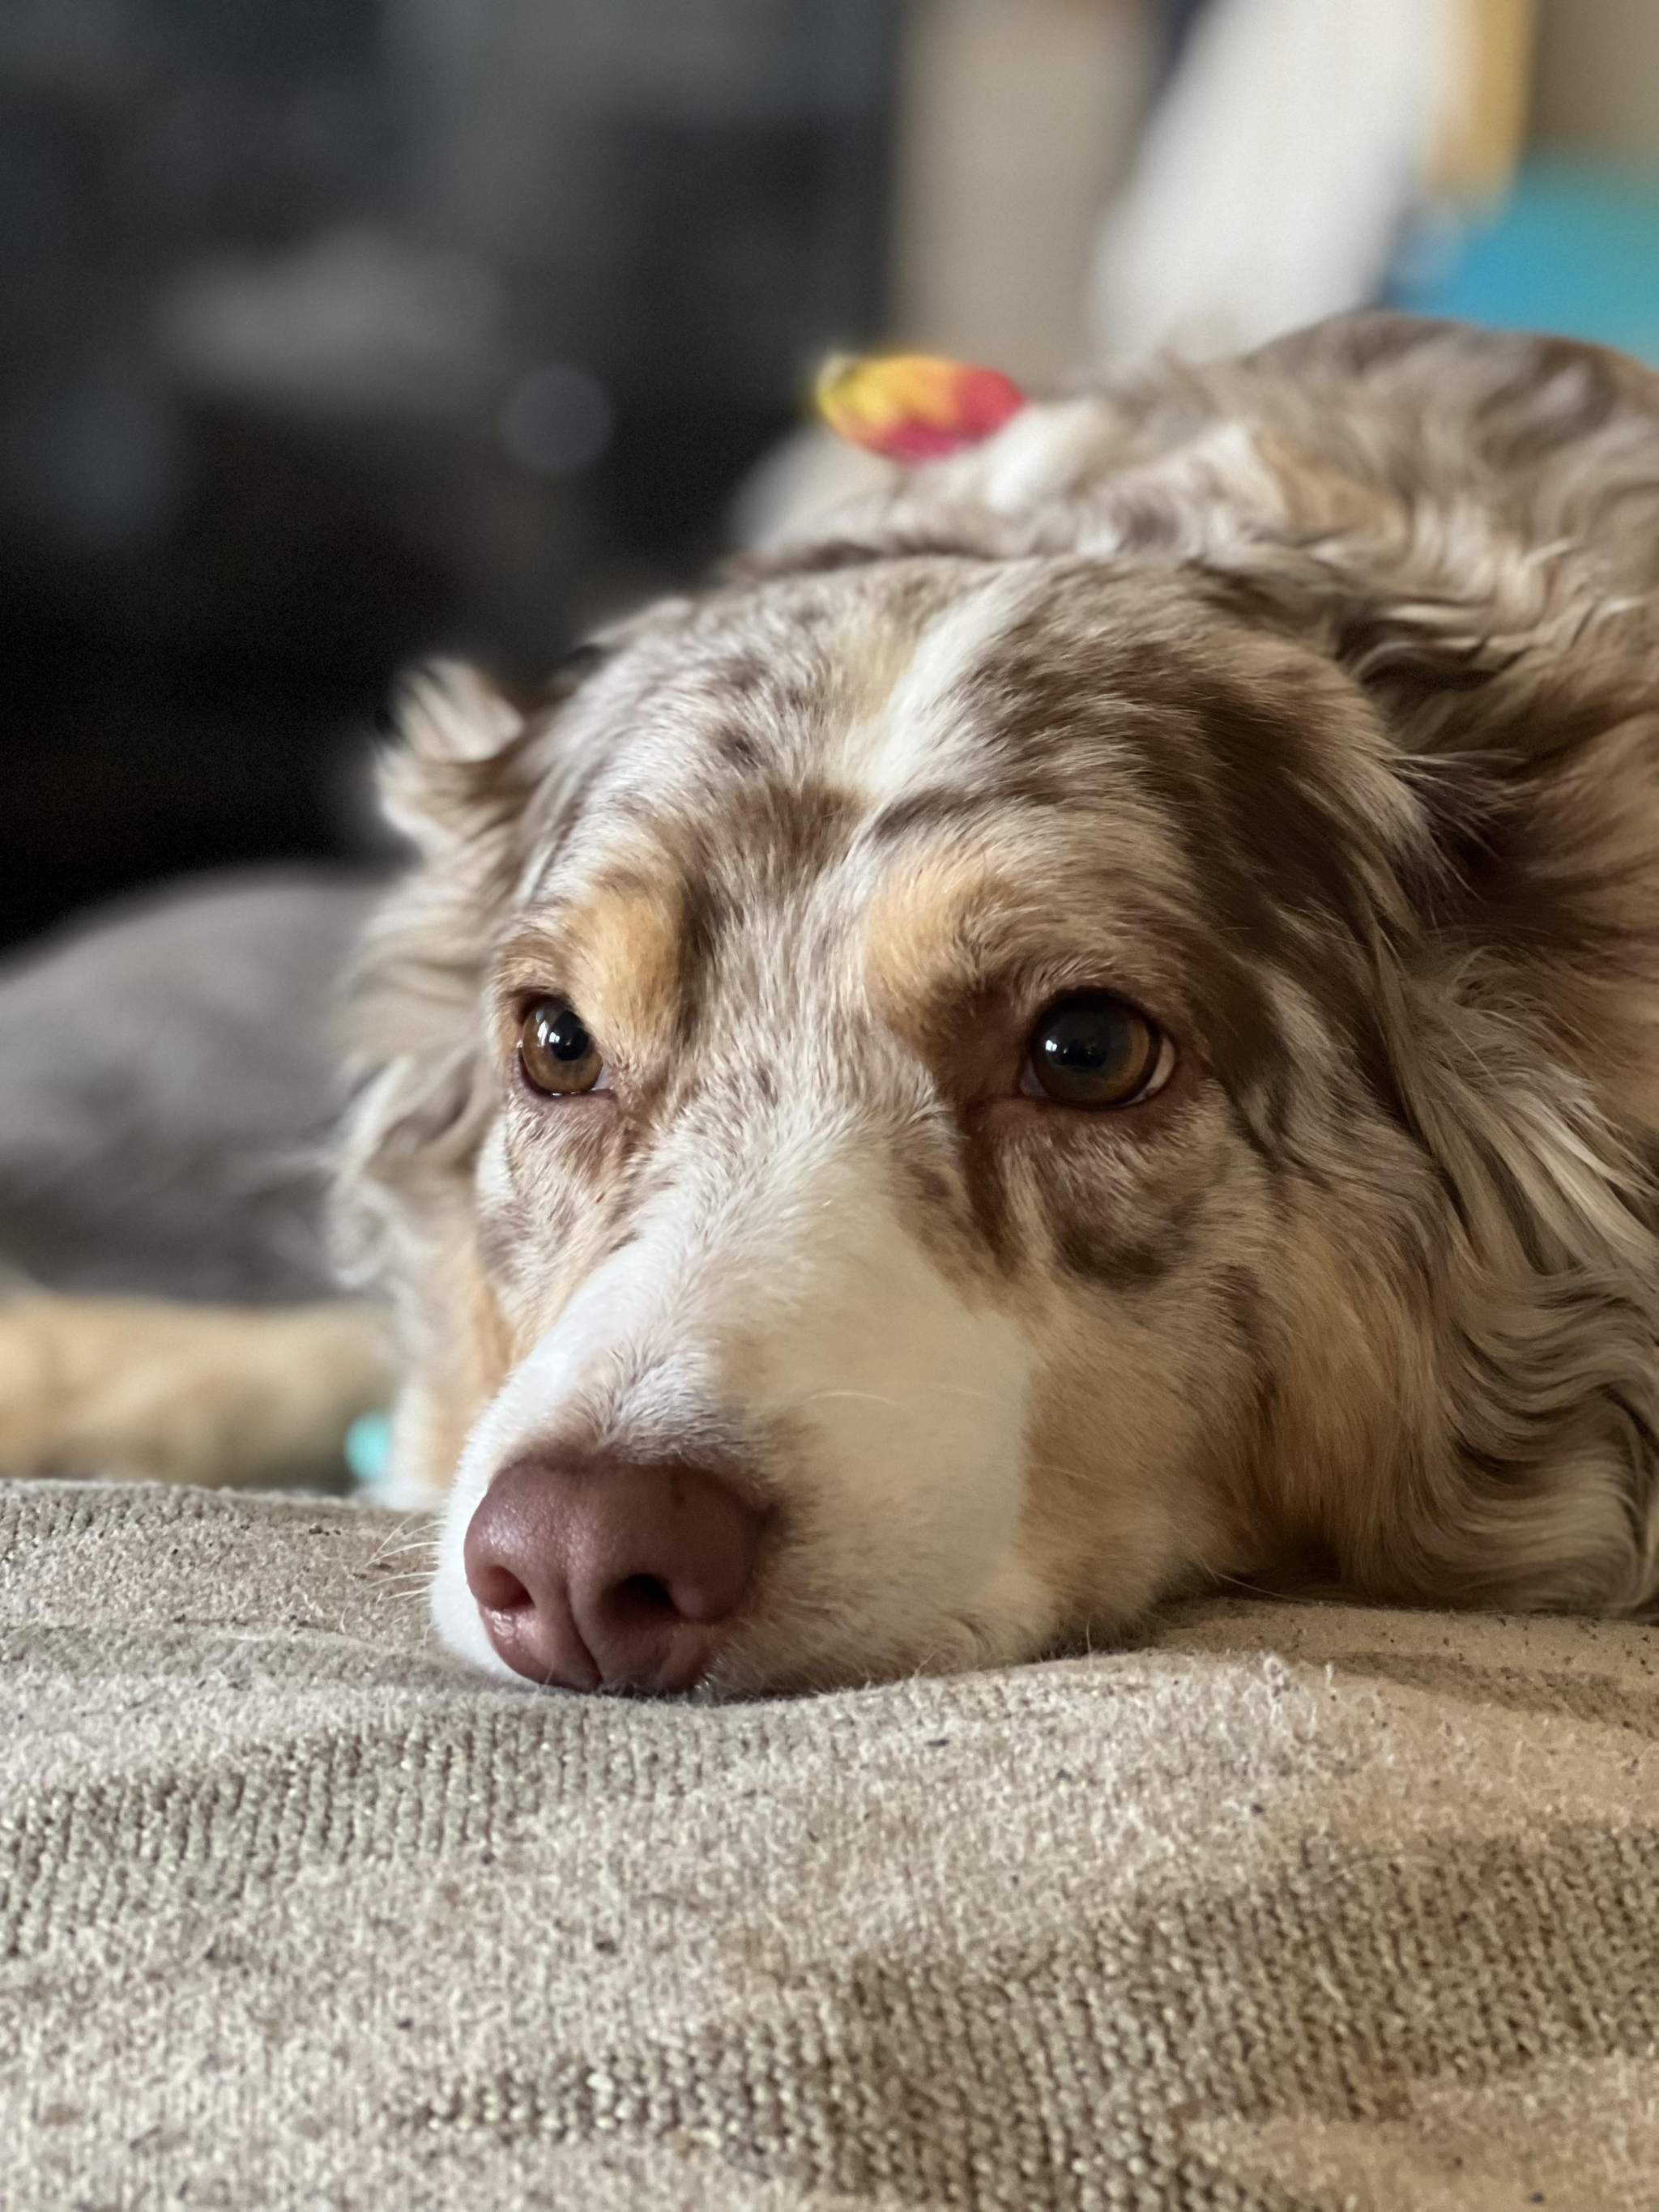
1291,1907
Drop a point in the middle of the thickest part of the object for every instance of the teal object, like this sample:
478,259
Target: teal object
368,1448
1575,250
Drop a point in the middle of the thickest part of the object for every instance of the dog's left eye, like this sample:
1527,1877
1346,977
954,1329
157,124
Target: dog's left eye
555,1051
1095,1051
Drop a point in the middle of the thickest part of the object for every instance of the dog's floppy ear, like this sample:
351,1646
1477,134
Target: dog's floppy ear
1529,752
1536,1464
1515,1002
459,787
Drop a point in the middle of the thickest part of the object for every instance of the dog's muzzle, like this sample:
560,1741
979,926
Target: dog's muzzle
599,1574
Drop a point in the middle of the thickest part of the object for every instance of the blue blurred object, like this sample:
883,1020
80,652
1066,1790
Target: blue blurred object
1575,250
368,1448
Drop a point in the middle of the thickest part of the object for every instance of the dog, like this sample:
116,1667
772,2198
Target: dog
1085,1027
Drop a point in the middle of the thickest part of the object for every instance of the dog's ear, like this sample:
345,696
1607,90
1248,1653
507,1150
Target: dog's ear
1519,710
1531,1468
469,750
1529,751
480,779
1516,999
448,713
477,773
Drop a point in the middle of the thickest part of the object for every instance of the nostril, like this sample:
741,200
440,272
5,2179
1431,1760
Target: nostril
640,1598
496,1587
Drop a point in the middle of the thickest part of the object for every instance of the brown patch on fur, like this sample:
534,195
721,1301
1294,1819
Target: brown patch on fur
1098,1251
1094,1528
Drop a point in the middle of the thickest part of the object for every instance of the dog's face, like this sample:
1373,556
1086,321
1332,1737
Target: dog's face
940,1125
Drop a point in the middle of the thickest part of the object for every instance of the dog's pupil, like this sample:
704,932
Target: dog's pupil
1089,1052
1089,1040
565,1037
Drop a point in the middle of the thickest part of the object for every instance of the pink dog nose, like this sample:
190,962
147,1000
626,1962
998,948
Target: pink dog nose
610,1574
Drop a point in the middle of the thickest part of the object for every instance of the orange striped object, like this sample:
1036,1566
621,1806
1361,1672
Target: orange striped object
913,406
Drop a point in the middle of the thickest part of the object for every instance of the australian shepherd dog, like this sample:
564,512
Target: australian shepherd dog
1085,1027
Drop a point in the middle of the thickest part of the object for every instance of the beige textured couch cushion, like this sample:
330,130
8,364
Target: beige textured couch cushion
1292,1907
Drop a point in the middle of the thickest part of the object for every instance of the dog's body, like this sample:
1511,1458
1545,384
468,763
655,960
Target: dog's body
170,1076
1090,1027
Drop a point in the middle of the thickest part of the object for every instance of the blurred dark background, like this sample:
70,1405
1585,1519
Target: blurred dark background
336,332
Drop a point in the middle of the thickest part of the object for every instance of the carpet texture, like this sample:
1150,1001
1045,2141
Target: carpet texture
1289,1908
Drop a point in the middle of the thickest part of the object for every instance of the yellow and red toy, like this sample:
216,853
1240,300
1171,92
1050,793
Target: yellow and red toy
913,406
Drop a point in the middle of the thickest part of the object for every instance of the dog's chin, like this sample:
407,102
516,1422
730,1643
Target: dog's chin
771,1660
765,1666
782,1656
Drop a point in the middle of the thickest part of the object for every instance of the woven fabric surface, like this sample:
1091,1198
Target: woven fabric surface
1284,1908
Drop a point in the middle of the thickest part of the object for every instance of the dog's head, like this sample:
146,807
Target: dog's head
930,1097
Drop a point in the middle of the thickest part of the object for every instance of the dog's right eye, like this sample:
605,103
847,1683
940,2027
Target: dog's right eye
1095,1050
556,1052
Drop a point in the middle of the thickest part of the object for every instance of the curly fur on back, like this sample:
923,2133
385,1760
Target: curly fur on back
1317,689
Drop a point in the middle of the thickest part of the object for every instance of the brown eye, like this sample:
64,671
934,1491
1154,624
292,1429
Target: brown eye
554,1050
1095,1050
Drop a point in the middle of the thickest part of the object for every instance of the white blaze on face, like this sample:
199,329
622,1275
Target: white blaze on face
916,733
787,1297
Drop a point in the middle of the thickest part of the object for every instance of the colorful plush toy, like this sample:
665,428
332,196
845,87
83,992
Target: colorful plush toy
913,406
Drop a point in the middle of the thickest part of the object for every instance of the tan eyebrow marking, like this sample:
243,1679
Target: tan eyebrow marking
937,928
615,954
918,920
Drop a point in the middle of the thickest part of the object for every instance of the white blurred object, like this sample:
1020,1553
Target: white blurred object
358,320
1274,178
800,480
